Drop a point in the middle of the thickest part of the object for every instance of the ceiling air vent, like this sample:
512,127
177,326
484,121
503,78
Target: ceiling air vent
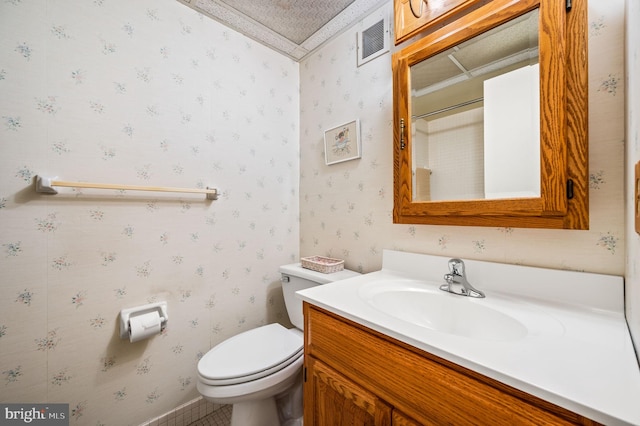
373,42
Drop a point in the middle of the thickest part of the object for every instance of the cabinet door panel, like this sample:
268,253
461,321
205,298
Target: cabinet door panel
400,419
334,400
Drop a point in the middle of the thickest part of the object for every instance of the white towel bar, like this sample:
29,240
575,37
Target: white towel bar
45,185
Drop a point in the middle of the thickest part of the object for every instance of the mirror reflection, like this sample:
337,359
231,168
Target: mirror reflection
476,117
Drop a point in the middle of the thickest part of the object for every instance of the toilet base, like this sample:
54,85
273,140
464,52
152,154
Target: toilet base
259,412
284,409
290,405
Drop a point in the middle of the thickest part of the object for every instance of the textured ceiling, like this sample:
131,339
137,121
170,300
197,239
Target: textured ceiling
293,27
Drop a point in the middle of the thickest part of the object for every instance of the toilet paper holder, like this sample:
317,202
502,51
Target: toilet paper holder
127,314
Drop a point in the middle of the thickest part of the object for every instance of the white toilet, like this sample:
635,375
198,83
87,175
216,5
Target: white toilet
254,368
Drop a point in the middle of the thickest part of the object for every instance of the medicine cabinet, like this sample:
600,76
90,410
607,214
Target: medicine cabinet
490,118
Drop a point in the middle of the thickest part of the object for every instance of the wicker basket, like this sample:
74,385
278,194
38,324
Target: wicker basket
326,265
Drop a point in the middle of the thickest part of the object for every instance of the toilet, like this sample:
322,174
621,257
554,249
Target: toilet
254,369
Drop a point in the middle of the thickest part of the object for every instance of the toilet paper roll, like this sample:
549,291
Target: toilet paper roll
144,326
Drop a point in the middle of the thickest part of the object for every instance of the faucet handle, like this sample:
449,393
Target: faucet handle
456,276
456,266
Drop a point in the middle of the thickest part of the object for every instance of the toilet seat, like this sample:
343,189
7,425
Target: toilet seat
250,355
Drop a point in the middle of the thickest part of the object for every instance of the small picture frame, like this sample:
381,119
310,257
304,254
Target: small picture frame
342,143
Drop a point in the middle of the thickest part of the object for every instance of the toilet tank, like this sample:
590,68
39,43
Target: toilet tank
295,278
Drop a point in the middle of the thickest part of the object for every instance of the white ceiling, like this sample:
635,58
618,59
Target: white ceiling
292,27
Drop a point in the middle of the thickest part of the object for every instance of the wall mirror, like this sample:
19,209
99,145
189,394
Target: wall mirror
491,123
477,106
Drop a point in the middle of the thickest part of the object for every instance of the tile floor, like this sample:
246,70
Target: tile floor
220,417
197,412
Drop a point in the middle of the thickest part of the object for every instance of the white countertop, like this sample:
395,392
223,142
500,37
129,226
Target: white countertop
577,353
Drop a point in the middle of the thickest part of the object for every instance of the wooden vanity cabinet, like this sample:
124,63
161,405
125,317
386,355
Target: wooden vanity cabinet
407,24
356,376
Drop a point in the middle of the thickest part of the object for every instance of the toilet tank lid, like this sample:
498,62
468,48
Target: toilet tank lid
296,270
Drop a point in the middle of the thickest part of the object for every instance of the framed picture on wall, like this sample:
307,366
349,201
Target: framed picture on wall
342,143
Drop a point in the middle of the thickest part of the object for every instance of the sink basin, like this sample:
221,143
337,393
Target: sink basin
424,305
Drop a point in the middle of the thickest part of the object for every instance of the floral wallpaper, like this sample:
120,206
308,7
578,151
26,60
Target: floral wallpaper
142,93
151,93
346,208
632,275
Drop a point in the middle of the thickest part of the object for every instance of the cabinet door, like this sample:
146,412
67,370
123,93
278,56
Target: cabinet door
333,400
415,16
556,194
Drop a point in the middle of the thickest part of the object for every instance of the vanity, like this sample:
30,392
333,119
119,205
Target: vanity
543,347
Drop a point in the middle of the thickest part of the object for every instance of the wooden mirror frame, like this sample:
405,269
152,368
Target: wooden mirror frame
563,201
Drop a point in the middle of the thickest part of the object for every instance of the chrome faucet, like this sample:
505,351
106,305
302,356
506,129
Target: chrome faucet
457,282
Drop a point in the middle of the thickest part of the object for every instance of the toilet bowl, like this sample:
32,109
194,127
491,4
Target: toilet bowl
249,370
254,369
